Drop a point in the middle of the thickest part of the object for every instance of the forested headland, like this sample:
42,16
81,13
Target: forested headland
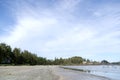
18,57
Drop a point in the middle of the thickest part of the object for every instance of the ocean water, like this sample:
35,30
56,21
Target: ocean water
109,71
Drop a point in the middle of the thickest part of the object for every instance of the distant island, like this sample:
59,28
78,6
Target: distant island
15,56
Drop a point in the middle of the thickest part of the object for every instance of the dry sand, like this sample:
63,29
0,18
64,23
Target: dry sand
43,73
27,73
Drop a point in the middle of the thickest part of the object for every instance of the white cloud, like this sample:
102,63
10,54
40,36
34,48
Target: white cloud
27,27
98,14
68,4
55,32
72,37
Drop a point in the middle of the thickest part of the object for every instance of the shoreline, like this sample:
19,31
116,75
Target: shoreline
44,73
71,74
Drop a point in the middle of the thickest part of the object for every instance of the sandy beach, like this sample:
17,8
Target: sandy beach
44,73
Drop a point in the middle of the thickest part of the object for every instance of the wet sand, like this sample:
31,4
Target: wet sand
67,74
44,73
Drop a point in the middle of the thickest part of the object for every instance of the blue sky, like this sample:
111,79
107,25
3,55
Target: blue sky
63,28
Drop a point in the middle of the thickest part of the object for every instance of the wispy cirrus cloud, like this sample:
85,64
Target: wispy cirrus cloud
65,28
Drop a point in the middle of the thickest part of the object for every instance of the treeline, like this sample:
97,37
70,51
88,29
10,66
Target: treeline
17,57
